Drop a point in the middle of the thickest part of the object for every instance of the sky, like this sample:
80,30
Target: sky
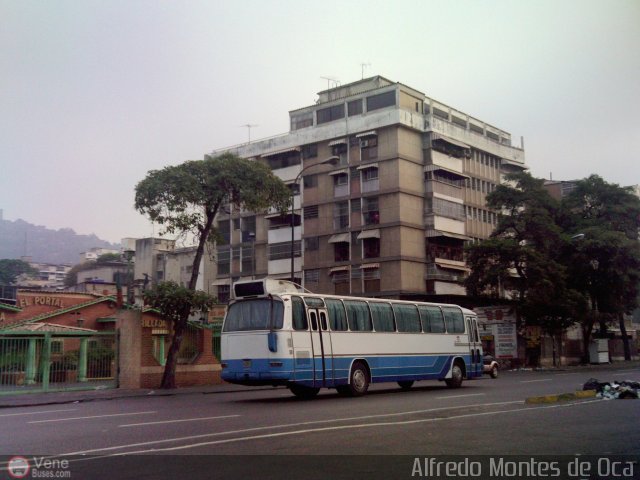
95,94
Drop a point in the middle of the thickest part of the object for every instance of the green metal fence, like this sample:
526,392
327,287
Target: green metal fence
54,361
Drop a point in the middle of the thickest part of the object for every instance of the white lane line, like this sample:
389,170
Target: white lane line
93,416
564,374
345,427
462,396
621,374
534,381
36,413
176,421
269,427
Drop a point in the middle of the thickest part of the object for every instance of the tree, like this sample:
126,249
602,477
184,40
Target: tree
11,269
185,199
522,258
109,257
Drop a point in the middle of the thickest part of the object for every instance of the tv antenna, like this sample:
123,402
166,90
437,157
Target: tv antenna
248,126
330,80
362,66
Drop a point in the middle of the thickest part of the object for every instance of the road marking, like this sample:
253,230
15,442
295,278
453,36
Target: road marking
313,422
628,370
462,396
176,421
563,374
344,427
533,381
93,416
36,413
621,374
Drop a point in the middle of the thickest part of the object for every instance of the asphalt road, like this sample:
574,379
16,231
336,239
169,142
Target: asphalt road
147,437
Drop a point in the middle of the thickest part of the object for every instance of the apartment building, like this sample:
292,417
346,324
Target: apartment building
387,184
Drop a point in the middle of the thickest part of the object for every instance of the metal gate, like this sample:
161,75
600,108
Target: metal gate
54,361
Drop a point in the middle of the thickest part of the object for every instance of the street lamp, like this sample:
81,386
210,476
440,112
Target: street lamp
329,161
252,239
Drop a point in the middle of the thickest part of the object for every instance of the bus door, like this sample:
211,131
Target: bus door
321,347
475,347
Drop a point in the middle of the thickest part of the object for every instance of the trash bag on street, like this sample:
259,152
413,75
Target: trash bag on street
613,390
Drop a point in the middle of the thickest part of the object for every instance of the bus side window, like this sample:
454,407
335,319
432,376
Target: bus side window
454,319
382,317
314,320
337,316
299,318
358,315
407,318
432,321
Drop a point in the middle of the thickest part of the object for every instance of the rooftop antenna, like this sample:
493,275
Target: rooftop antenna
335,81
362,66
249,125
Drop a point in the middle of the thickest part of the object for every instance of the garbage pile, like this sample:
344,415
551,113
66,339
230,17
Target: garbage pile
612,390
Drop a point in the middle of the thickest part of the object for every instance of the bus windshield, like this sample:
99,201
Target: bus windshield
253,315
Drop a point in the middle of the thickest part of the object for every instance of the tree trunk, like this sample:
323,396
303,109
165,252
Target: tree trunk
625,338
586,339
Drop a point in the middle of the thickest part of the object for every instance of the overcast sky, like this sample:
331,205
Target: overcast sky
94,94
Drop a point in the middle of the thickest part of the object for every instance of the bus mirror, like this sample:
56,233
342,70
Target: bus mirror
273,342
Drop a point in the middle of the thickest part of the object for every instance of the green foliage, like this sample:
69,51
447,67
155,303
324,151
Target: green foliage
187,197
109,257
11,269
173,300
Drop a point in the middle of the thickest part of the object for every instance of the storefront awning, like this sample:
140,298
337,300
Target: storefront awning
452,265
375,233
513,163
435,168
367,165
437,136
224,281
339,269
340,238
439,233
339,141
369,265
370,133
278,152
339,172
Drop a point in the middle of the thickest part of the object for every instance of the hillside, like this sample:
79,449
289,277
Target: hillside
44,244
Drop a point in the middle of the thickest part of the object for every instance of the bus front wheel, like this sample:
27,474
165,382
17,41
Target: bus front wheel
358,380
456,376
304,392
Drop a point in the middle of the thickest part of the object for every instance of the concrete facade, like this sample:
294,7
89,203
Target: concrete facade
389,217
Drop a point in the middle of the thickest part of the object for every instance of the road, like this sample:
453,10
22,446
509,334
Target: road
484,417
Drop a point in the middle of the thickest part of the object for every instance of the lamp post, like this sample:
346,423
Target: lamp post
329,161
252,239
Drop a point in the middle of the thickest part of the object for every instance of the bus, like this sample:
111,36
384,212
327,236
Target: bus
276,334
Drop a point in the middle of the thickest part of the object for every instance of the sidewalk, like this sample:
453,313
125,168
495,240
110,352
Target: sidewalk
52,398
75,396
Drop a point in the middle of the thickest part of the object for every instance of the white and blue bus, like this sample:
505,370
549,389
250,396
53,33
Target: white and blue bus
274,334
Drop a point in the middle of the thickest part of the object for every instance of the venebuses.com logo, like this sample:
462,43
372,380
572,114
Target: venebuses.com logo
18,467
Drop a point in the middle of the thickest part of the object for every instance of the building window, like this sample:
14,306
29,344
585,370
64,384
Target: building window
311,212
301,120
441,113
371,247
284,160
223,255
444,208
341,251
311,243
381,100
248,226
224,229
341,215
340,151
279,251
224,293
340,185
330,114
312,276
355,205
371,277
310,181
369,148
310,151
370,211
354,107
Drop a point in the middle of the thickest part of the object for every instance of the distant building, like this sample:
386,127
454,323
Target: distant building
49,276
390,217
94,253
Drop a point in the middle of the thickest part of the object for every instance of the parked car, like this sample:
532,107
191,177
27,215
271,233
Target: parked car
490,366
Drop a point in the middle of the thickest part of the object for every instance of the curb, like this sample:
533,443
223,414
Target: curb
562,397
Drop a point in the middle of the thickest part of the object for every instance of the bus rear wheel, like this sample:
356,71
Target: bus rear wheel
405,384
358,380
304,392
456,376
